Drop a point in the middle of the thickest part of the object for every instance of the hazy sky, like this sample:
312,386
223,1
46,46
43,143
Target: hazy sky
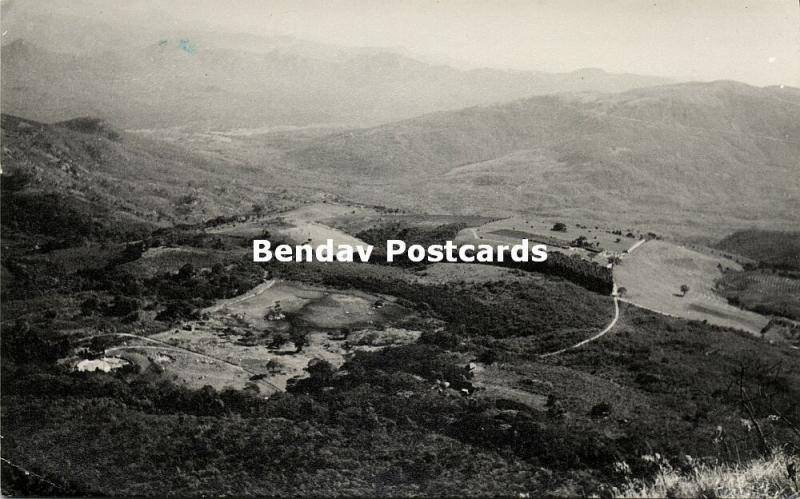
756,41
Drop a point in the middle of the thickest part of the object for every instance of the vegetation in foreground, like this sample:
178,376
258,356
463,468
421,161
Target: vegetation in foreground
421,419
773,476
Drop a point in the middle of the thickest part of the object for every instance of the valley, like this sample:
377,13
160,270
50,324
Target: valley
146,353
582,158
176,319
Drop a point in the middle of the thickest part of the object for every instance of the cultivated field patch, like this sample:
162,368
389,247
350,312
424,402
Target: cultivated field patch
250,340
301,225
653,275
762,291
510,230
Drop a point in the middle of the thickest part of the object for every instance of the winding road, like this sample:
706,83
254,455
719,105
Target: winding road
610,325
593,338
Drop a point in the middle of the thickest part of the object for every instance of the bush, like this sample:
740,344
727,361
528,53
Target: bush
601,410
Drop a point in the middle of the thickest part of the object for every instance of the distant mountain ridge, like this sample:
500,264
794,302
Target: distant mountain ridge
712,155
215,80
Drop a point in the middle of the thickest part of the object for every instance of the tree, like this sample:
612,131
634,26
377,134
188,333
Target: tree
580,242
621,291
555,409
186,271
133,251
320,371
299,339
684,289
274,366
601,410
488,356
559,227
278,341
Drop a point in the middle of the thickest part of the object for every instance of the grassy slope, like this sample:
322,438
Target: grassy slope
131,179
773,248
654,273
762,477
689,157
381,429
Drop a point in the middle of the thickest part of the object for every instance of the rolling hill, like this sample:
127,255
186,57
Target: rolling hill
83,178
772,248
690,158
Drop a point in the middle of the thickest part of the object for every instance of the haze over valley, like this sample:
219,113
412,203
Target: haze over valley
145,146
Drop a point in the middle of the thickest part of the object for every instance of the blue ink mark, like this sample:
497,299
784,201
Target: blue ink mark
186,46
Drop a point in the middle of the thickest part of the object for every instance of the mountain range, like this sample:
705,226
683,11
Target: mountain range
717,155
138,78
687,158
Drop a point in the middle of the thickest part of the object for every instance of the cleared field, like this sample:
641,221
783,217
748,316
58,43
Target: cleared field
166,259
653,275
315,233
510,230
762,291
354,224
498,383
441,273
329,213
270,367
762,282
193,369
302,225
233,346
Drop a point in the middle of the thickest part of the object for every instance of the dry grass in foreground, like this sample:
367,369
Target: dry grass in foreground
775,476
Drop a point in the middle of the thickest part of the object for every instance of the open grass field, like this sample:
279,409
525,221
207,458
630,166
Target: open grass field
330,213
315,233
193,369
301,225
233,343
652,277
513,229
271,367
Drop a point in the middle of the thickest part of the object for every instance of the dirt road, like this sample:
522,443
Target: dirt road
593,338
610,325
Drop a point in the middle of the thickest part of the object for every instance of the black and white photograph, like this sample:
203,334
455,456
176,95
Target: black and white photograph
418,248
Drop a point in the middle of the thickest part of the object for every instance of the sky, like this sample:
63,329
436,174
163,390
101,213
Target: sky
755,41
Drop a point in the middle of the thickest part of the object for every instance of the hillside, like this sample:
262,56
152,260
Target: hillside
84,178
245,81
722,152
772,248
